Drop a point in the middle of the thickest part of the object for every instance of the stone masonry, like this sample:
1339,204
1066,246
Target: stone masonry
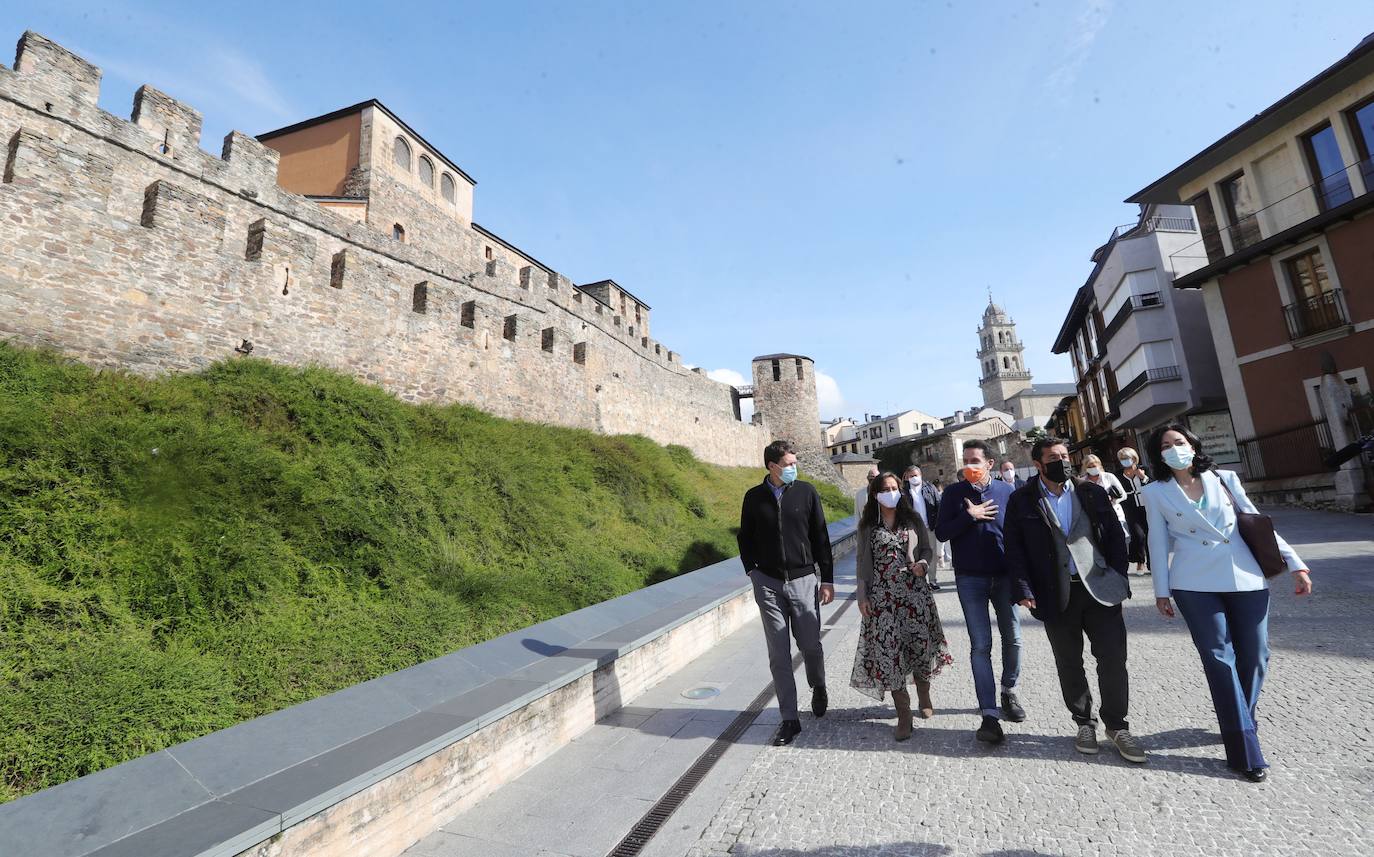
785,399
126,245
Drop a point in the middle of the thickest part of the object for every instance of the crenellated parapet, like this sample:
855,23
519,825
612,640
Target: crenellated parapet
126,244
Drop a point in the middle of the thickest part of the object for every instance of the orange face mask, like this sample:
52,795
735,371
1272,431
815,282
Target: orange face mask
973,473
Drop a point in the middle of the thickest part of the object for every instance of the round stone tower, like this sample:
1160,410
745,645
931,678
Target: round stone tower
785,402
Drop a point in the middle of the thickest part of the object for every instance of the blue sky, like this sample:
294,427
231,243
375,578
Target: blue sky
841,180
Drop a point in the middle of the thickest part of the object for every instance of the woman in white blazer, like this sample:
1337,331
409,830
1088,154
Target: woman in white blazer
1215,581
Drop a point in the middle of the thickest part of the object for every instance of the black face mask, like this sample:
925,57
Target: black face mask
1058,471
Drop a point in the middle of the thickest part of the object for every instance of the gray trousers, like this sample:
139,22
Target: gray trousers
795,604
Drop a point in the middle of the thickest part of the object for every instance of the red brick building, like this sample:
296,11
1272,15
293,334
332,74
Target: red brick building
1285,203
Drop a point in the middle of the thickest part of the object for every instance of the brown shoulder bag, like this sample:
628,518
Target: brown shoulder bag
1257,529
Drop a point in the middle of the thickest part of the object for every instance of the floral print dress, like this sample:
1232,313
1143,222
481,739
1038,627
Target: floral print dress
903,638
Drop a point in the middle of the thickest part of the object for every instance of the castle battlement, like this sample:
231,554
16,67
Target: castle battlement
128,245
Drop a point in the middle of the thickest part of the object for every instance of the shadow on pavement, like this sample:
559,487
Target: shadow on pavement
960,744
890,849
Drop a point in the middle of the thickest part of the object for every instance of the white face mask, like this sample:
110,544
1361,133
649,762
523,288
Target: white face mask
1126,463
1093,471
1008,475
888,499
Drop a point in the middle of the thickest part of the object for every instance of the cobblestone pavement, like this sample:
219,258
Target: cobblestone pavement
845,788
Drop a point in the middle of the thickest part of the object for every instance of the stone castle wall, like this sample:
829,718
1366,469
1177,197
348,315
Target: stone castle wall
124,244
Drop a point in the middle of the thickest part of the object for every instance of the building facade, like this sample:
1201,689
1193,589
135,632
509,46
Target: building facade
1284,268
939,452
1142,353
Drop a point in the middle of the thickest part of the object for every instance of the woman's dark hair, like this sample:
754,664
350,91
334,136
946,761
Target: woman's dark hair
906,513
1163,472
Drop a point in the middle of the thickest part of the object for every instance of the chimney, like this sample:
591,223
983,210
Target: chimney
926,427
958,417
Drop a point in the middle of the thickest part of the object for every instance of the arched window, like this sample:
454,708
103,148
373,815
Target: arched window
400,151
426,171
398,232
448,188
1005,363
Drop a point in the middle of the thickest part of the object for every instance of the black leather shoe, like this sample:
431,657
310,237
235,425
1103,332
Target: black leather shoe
1257,775
935,587
786,733
1011,707
820,701
990,731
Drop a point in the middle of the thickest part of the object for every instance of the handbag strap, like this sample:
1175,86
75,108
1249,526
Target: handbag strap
1225,488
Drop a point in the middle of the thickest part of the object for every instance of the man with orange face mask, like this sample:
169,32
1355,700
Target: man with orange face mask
972,511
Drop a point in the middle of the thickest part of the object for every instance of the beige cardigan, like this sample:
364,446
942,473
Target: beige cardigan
917,550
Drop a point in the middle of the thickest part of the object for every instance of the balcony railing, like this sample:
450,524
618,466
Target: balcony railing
1007,375
1316,314
1148,300
1297,207
1298,451
1149,376
1157,223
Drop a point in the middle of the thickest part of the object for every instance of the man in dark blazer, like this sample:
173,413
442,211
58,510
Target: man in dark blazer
1009,474
1066,556
783,542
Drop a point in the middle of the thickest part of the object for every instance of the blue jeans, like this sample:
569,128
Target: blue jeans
1231,633
975,592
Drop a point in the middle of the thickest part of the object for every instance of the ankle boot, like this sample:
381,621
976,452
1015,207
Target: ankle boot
902,700
923,698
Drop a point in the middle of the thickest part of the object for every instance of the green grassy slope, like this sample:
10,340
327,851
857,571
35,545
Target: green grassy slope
181,554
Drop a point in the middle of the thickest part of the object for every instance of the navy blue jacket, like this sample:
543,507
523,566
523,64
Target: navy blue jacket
976,546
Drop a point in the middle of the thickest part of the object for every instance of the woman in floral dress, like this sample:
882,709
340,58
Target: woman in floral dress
901,639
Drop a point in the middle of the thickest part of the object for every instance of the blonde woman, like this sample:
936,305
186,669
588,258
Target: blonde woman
1097,475
1133,478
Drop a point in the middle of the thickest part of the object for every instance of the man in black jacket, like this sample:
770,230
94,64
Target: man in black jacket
1066,556
782,541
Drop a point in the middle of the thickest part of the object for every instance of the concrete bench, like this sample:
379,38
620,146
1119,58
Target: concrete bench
375,767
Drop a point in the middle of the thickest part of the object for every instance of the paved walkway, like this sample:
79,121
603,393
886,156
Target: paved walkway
845,788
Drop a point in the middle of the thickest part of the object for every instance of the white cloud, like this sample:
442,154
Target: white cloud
734,379
1087,27
828,395
727,376
248,79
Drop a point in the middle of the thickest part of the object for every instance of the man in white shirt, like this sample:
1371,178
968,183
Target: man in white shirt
861,496
926,500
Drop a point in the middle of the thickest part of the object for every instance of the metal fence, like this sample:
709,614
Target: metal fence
1298,451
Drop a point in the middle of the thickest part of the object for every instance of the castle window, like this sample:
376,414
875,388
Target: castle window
487,252
777,371
1005,363
448,188
426,171
419,300
400,152
799,369
398,232
468,315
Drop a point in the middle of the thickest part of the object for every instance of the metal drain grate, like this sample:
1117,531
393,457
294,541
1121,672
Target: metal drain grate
677,794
